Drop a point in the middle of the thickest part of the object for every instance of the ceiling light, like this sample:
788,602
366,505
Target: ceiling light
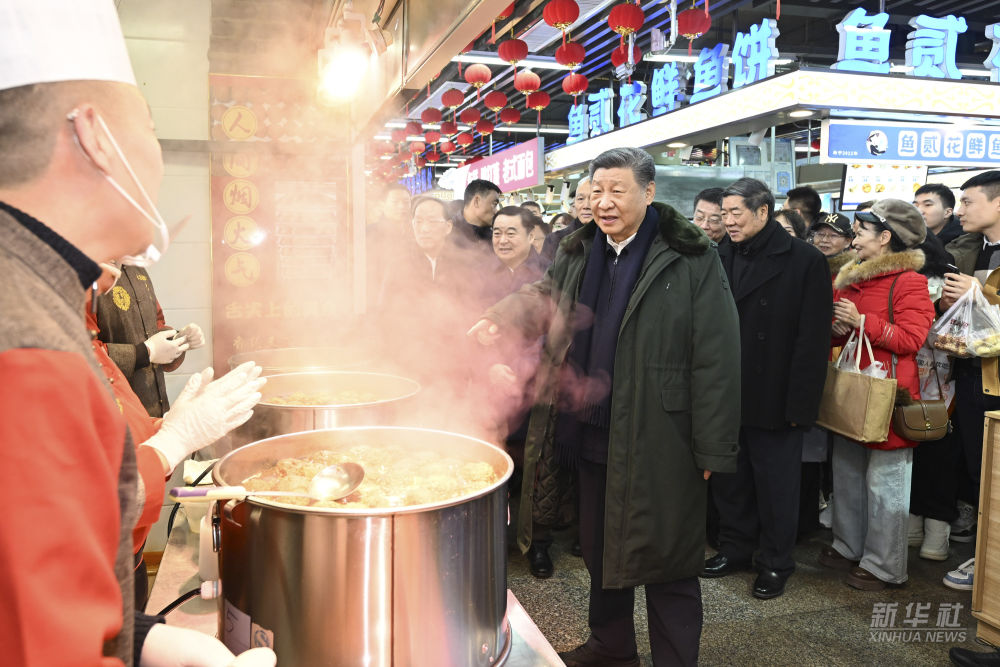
536,63
676,144
342,65
801,113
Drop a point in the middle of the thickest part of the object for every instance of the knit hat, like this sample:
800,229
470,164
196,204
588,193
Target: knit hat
901,217
43,41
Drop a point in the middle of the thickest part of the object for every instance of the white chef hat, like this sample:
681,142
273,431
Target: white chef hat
43,41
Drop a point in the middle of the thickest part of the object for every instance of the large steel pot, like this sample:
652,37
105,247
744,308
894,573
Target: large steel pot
270,419
295,359
410,586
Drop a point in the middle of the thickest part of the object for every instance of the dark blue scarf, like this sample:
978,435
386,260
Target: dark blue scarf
591,357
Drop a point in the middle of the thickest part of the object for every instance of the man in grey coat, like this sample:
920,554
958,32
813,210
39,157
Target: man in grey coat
638,398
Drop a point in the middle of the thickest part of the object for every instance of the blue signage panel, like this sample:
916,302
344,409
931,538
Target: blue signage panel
879,142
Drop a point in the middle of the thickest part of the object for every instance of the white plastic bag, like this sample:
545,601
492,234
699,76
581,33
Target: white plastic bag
850,357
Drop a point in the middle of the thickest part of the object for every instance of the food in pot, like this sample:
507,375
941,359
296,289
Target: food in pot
343,397
394,477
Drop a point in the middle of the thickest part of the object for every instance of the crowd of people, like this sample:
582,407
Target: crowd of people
614,337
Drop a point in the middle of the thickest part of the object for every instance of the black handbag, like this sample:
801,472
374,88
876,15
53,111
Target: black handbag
921,420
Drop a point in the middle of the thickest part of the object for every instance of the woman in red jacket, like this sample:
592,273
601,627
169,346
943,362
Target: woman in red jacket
871,481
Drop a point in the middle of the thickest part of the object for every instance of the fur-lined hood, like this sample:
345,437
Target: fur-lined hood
894,262
840,260
675,229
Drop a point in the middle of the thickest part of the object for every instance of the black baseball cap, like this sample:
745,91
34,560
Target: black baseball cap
837,222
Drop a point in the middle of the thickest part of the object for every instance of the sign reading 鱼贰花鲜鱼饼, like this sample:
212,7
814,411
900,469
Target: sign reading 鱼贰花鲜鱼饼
864,47
874,142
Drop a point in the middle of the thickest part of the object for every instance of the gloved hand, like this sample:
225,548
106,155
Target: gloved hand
194,335
206,410
172,646
165,346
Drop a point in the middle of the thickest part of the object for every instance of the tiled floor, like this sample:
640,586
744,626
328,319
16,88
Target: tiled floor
818,621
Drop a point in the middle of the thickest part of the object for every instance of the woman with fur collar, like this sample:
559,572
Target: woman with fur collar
871,481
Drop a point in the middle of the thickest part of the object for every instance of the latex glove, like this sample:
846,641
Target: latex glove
503,378
485,332
165,346
172,646
194,335
206,410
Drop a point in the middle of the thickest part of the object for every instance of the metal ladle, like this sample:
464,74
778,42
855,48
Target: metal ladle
330,483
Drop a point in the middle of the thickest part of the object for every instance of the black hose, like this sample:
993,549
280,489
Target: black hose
177,506
179,601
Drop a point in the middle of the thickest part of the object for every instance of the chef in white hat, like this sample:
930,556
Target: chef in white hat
80,168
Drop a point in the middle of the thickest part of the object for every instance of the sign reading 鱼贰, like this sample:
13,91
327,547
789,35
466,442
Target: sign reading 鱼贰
873,142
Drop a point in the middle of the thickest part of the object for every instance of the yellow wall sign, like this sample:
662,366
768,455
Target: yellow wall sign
240,165
239,123
240,196
242,233
242,269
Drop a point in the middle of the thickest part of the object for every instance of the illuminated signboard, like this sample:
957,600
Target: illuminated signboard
874,142
864,43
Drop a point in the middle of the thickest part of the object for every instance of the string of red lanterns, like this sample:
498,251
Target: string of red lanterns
477,76
561,14
571,54
626,19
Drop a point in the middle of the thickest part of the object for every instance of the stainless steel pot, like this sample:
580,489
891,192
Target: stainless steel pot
420,585
270,419
295,359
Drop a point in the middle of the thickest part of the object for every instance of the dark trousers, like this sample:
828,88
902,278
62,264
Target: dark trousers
674,608
971,404
759,503
934,480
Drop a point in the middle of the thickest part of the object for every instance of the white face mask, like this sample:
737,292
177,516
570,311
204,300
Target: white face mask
152,253
114,271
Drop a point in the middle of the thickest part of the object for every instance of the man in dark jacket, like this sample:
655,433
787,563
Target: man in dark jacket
472,225
936,202
785,299
637,304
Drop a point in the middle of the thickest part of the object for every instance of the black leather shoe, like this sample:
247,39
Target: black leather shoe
963,657
582,656
539,562
719,565
768,585
576,549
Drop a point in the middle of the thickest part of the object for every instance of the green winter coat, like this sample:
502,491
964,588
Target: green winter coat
675,408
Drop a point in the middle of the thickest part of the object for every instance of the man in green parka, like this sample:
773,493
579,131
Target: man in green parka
639,400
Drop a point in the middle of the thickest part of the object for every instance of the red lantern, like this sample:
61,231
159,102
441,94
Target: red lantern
433,157
470,115
495,101
417,147
478,75
448,128
570,54
448,148
692,24
485,127
452,98
431,116
385,148
513,51
538,101
432,137
527,82
619,57
561,14
403,158
464,139
419,162
502,16
626,19
575,84
399,136
413,128
509,115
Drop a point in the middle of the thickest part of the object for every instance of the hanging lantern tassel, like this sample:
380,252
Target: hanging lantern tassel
777,15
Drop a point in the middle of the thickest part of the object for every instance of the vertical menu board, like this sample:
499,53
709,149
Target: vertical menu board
281,231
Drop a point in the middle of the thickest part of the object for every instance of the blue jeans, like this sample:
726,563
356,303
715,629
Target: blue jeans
871,503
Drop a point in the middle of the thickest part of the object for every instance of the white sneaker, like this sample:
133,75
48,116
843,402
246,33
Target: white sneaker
961,579
963,529
915,531
935,544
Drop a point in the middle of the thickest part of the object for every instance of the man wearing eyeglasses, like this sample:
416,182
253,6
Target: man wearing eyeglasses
708,213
